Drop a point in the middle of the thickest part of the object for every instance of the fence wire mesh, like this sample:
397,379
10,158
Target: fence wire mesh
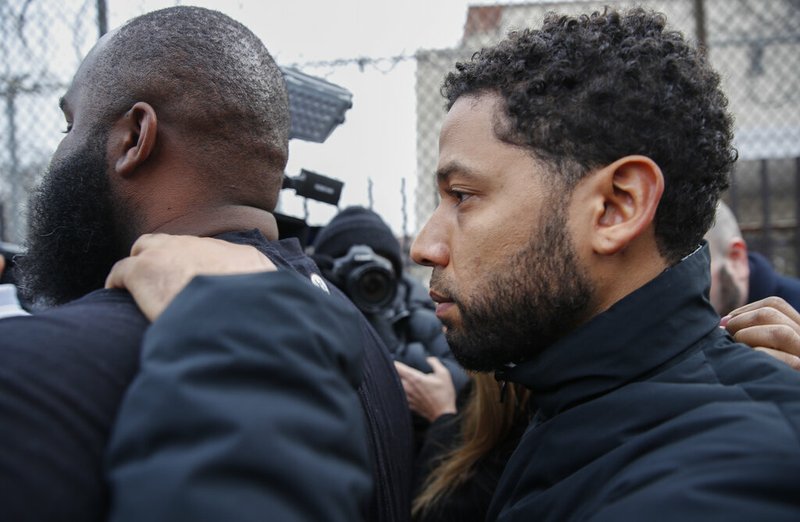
754,44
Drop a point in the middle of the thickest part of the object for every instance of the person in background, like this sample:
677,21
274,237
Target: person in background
739,278
738,275
465,453
396,305
357,251
178,122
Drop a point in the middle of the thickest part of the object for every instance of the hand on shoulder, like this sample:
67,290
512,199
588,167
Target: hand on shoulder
770,325
161,265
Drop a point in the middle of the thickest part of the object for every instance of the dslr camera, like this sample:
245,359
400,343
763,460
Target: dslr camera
367,278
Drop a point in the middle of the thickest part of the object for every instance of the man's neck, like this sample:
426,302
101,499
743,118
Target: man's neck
217,220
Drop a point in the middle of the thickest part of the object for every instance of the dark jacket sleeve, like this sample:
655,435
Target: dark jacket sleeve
245,409
63,373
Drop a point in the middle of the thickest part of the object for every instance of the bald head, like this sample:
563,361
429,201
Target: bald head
730,270
209,78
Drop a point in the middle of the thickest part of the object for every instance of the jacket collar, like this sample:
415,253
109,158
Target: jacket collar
645,330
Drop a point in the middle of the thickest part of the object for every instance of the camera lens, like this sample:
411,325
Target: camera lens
367,278
372,288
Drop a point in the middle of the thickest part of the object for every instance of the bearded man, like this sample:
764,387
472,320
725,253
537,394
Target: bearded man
178,123
609,133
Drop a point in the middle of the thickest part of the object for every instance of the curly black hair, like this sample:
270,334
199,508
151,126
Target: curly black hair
582,92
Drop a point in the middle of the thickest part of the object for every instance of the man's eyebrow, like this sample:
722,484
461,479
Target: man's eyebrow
62,103
444,173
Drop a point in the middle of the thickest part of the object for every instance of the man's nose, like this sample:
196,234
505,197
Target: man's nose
430,247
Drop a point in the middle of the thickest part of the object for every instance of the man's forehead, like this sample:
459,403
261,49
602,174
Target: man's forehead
92,58
81,78
469,129
102,43
68,100
470,113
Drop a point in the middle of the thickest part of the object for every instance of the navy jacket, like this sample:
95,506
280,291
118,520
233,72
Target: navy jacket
765,281
383,405
229,420
63,374
651,412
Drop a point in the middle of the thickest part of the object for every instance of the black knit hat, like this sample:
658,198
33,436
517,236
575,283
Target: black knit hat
359,226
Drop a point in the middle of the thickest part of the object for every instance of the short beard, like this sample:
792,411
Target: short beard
75,231
540,296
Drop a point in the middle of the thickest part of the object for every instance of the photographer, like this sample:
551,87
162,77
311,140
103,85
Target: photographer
9,302
358,252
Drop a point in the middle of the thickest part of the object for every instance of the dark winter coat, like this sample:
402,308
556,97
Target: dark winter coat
765,282
651,412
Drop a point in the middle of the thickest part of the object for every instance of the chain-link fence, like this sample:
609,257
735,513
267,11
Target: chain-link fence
754,44
41,45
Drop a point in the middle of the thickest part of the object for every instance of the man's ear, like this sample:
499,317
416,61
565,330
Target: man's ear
132,138
736,261
627,193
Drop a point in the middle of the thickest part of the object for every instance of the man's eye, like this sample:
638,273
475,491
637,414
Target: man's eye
69,128
459,196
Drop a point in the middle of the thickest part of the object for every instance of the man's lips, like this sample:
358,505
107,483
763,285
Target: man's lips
438,297
443,304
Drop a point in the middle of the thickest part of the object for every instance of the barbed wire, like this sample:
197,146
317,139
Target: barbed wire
361,61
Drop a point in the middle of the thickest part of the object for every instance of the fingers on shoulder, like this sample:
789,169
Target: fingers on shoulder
779,337
791,360
778,303
148,241
119,274
764,316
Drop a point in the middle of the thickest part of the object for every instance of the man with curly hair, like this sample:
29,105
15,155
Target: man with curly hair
579,167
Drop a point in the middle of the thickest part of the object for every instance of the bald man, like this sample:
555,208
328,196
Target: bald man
178,123
739,276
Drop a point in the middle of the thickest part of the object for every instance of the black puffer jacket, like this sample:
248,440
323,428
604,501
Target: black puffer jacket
650,411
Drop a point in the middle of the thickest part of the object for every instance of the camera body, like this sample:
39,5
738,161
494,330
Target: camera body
367,278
